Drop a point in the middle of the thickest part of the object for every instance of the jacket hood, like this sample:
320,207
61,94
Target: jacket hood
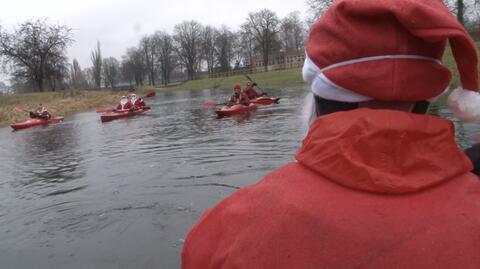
383,151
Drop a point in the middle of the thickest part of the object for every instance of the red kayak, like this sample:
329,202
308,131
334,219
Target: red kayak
265,100
122,114
36,122
235,109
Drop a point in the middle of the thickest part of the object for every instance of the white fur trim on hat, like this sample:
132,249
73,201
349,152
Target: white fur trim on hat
325,88
322,86
465,104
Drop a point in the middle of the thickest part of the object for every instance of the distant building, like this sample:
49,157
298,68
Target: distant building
278,60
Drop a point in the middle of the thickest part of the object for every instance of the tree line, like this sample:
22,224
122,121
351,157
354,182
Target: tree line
35,52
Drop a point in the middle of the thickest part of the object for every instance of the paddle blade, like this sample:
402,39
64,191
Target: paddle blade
150,94
209,104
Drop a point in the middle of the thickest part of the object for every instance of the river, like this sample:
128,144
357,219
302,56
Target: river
82,194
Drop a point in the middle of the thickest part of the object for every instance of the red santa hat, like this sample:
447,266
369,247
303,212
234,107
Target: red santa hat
391,50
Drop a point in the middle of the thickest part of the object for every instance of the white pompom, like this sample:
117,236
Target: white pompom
465,104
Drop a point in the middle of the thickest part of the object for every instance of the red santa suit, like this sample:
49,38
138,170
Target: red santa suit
370,188
124,105
139,103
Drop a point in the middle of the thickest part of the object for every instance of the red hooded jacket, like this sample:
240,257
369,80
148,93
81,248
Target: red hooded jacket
370,189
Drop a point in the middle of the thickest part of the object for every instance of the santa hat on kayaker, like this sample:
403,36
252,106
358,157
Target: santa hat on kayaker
391,50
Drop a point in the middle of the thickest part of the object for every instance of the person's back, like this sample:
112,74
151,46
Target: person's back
374,185
396,200
250,91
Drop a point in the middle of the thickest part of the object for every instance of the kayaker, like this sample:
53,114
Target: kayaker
124,104
250,91
376,183
238,97
40,113
137,102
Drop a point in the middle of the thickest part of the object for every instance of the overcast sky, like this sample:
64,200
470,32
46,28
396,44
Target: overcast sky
119,24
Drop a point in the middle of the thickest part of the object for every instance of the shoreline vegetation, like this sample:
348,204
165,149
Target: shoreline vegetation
59,103
68,102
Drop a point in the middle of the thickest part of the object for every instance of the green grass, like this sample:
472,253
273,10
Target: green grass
289,77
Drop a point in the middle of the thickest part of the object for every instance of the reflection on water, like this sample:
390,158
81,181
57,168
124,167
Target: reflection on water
83,194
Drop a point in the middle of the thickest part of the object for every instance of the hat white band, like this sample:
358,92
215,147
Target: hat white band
325,88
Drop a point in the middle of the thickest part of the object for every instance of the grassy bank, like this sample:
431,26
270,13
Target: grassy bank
290,77
59,103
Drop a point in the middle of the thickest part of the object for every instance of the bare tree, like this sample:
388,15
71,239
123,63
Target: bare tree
89,77
264,26
292,32
208,46
36,51
460,11
224,43
133,65
245,48
77,76
166,55
187,36
96,58
467,13
148,47
57,72
111,72
316,9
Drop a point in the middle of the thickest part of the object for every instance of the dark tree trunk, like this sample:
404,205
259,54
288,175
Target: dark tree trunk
460,11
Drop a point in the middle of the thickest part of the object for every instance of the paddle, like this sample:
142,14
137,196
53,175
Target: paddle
150,94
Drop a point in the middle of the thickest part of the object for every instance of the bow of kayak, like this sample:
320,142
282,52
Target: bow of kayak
235,109
109,116
36,122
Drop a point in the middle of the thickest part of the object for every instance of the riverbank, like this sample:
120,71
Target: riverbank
58,103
